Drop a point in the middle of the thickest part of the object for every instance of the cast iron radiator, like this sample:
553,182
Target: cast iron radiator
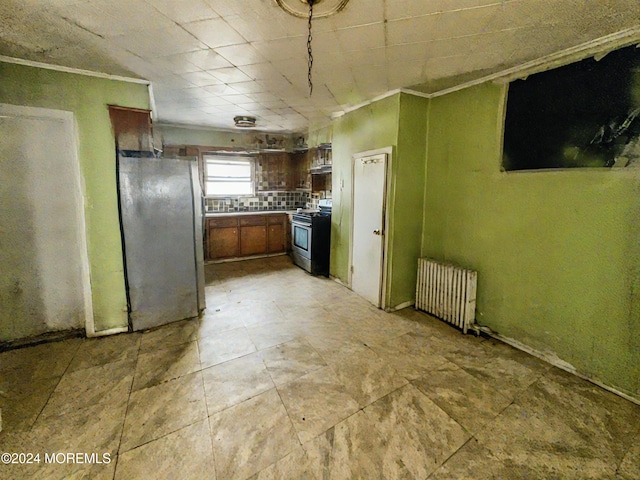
447,291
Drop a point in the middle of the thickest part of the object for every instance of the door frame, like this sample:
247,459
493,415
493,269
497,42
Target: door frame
386,195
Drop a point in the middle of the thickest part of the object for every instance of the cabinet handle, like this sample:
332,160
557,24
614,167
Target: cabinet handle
377,232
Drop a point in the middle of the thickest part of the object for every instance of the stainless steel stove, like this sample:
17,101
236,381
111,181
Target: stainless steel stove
311,239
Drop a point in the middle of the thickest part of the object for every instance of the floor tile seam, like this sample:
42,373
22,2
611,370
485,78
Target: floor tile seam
426,397
126,411
244,400
44,405
199,369
163,349
56,387
148,351
284,404
520,394
119,453
305,338
202,369
472,437
224,332
71,359
383,396
206,406
131,391
384,363
342,384
483,382
519,391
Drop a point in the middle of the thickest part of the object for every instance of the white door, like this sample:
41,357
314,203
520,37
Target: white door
368,226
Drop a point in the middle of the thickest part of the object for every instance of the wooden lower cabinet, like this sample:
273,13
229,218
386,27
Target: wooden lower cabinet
253,240
276,238
223,242
245,235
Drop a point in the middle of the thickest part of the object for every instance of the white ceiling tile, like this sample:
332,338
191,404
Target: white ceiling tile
242,54
265,98
253,27
214,33
237,99
353,15
221,89
323,42
158,43
282,48
200,78
412,30
89,17
426,44
249,87
173,64
129,16
210,109
400,9
206,59
169,82
262,72
362,37
230,75
184,11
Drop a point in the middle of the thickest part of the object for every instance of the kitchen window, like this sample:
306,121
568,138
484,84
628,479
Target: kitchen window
228,175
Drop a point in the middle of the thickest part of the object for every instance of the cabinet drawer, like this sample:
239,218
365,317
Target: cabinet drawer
223,222
276,219
251,220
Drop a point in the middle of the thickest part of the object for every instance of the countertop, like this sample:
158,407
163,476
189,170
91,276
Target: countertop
262,212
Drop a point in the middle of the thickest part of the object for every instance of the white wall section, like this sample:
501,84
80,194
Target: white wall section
44,284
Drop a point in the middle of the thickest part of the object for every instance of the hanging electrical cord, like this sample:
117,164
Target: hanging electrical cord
324,8
309,51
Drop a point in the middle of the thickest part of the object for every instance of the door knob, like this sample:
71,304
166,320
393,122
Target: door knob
377,232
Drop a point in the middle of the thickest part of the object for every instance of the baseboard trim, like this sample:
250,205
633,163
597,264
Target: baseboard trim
240,259
557,362
401,306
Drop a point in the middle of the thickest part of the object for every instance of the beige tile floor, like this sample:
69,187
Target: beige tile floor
288,376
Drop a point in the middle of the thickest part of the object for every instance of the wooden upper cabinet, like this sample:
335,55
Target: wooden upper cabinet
131,128
275,172
300,165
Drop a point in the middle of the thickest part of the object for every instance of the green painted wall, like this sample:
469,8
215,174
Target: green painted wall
404,230
399,122
368,128
87,98
319,135
558,252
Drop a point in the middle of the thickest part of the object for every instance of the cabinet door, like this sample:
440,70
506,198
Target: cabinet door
253,240
276,238
223,242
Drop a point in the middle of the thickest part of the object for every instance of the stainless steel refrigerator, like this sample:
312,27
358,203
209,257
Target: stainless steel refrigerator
160,205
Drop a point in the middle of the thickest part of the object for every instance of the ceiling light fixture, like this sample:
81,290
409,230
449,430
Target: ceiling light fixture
297,9
242,121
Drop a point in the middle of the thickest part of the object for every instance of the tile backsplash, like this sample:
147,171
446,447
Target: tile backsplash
262,201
